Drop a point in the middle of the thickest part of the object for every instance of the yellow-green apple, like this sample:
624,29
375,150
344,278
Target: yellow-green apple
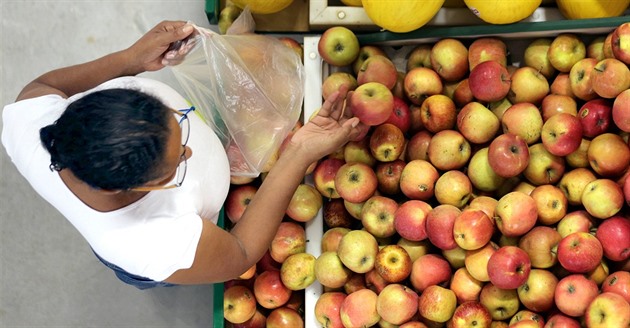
470,314
537,293
284,317
453,187
237,200
298,271
449,150
551,202
331,237
415,249
359,151
574,293
439,226
499,107
565,50
561,320
387,142
619,283
472,229
338,46
438,112
290,238
607,310
455,257
337,80
419,56
600,272
372,103
485,203
481,174
524,187
609,155
489,81
359,309
429,270
515,214
401,115
305,203
336,215
418,178
239,304
502,303
595,48
356,282
420,83
377,216
508,155
528,85
259,320
330,271
227,16
476,261
573,183
409,219
393,263
366,51
595,116
561,85
486,48
357,250
581,77
554,104
388,176
378,68
354,208
526,319
602,198
269,290
355,182
613,234
610,77
397,303
535,56
562,134
621,111
462,93
580,252
540,244
437,303
477,123
418,146
465,286
509,267
575,221
327,307
579,158
525,120
543,167
324,177
449,58
620,38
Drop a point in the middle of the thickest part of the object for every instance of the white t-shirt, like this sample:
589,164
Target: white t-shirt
158,234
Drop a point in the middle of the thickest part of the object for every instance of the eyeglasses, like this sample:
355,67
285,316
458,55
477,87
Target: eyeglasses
184,124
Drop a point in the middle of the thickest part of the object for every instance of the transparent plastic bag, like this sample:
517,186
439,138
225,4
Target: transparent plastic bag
247,87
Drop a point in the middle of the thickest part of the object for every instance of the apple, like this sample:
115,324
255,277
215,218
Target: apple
455,257
540,245
516,214
366,51
501,303
561,320
293,45
401,115
356,182
565,50
397,304
410,218
579,158
429,270
525,120
239,304
595,116
481,174
330,271
573,294
449,150
607,310
324,177
453,187
619,43
357,250
237,200
487,48
579,252
509,267
462,93
610,77
438,112
388,175
298,271
269,290
472,229
259,320
415,249
378,68
337,80
562,134
336,215
267,262
372,103
377,216
465,286
595,48
359,151
290,238
305,203
387,142
471,314
356,282
418,179
551,202
621,111
359,309
327,309
554,104
418,146
338,46
393,263
489,81
537,293
249,273
543,167
609,155
527,319
581,77
575,221
528,85
535,56
227,16
619,283
419,56
449,58
437,303
561,85
439,226
613,234
331,237
508,155
573,183
284,317
602,198
420,83
476,261
477,123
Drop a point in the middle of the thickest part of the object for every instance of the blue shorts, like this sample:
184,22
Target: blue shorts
132,279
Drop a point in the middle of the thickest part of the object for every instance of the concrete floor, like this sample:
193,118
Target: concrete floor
48,275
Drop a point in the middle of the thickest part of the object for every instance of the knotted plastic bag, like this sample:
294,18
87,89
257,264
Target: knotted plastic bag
248,88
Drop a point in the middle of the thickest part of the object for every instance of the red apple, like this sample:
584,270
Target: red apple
327,309
516,214
489,81
509,267
359,309
284,317
580,252
472,229
613,234
561,85
471,314
462,94
410,218
331,237
397,304
465,286
269,290
372,103
237,200
438,112
574,293
610,77
560,320
259,320
428,270
324,176
418,146
439,226
336,215
621,111
401,115
378,68
418,179
562,134
540,244
388,175
387,142
595,116
619,283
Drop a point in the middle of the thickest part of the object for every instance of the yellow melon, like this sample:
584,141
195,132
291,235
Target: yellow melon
502,11
263,6
352,3
401,16
572,9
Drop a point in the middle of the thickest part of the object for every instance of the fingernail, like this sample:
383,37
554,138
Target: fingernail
187,28
355,123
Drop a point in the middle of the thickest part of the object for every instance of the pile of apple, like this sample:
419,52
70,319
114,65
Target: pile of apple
483,192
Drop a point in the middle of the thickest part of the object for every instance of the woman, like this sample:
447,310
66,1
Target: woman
130,165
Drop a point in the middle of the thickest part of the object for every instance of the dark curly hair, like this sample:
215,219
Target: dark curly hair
113,139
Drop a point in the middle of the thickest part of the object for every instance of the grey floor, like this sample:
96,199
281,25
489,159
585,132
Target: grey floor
48,275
